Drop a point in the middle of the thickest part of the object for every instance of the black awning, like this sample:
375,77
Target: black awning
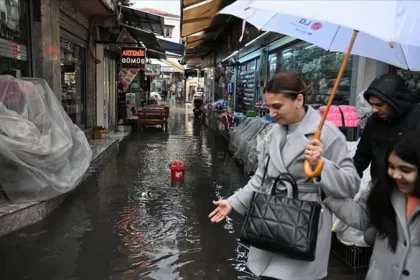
152,53
148,39
142,20
172,46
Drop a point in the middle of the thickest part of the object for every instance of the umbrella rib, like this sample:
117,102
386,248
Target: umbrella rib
268,21
405,59
333,39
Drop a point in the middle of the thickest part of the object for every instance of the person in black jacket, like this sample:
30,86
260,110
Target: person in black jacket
395,112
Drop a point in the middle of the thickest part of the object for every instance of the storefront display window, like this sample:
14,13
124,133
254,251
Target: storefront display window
73,82
246,85
319,70
14,39
272,64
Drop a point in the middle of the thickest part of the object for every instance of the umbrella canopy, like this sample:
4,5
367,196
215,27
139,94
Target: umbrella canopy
388,20
331,37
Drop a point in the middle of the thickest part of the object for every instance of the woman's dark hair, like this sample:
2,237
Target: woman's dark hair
288,83
381,211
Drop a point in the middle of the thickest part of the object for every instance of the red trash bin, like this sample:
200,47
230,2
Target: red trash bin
177,171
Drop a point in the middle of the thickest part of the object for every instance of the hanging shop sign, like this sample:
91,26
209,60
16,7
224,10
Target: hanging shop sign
134,58
169,70
153,69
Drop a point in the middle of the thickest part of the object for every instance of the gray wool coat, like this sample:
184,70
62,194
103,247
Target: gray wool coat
338,178
404,264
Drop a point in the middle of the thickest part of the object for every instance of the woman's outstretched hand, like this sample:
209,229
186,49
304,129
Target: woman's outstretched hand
222,210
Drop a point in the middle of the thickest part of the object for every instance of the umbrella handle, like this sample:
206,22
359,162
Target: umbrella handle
318,169
313,173
307,165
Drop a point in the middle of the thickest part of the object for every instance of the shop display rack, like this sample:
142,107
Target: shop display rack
246,89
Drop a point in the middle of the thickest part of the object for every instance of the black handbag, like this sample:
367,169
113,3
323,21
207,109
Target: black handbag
280,224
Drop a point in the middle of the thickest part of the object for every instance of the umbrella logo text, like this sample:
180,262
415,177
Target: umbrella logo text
305,22
316,26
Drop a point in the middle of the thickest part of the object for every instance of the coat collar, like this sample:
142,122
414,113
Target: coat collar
297,142
310,122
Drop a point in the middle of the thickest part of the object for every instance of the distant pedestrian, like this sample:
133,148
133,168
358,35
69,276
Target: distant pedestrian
173,98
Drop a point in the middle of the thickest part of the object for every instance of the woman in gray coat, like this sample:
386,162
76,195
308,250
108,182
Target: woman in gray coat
288,144
393,209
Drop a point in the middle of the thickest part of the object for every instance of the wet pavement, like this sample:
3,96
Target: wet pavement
128,221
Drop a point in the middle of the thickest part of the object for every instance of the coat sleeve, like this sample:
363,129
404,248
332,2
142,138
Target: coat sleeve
363,155
339,177
352,213
241,199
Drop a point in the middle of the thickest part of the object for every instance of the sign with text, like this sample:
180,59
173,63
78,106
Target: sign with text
134,58
152,70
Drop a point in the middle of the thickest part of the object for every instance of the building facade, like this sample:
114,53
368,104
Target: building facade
54,40
172,31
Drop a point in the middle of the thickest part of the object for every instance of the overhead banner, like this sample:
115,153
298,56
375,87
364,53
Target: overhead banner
153,69
133,58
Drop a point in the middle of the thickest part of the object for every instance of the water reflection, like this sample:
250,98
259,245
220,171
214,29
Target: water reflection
128,221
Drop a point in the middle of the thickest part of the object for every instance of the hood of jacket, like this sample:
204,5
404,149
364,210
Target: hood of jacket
393,90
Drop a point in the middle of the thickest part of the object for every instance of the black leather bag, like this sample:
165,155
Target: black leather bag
281,224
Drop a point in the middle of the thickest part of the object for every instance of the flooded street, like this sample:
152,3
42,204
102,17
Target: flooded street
128,221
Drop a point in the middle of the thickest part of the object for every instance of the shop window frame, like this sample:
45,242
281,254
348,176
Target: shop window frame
84,68
353,66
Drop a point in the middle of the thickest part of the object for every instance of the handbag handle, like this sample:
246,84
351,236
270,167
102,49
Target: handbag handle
286,177
265,173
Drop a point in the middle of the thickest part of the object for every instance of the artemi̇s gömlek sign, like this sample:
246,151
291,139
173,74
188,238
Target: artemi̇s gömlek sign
134,58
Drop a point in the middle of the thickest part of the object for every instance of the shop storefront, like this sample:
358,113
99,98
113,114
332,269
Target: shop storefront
73,53
131,82
319,70
73,80
14,38
209,84
247,86
110,89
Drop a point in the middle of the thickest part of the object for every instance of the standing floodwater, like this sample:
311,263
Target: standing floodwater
129,221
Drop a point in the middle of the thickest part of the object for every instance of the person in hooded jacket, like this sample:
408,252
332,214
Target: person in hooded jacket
395,112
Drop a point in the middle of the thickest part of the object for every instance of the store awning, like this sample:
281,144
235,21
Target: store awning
201,25
173,62
148,39
142,20
152,53
200,17
166,66
172,46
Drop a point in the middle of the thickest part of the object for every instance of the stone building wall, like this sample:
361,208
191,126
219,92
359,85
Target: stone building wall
46,51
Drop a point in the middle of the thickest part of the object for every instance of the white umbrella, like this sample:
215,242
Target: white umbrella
331,37
326,19
389,20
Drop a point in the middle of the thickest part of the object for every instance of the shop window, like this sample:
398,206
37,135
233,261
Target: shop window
272,64
319,70
14,57
247,87
168,31
73,82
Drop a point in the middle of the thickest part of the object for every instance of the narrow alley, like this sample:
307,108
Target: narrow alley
128,221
